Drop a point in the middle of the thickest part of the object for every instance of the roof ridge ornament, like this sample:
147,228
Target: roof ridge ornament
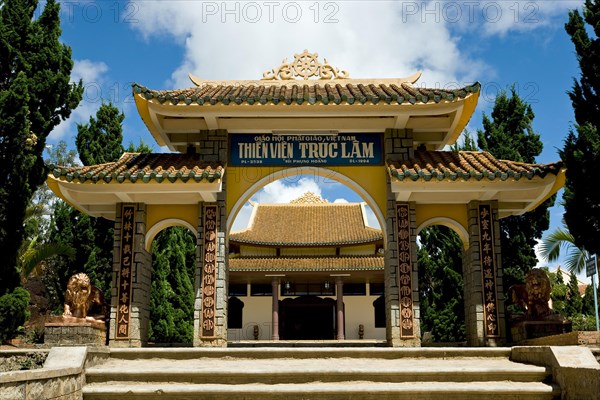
309,198
305,66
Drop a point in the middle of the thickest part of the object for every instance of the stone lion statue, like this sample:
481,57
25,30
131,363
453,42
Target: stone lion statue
533,296
83,299
538,288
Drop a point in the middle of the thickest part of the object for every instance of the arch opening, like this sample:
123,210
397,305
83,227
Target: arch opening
293,175
173,251
338,277
441,287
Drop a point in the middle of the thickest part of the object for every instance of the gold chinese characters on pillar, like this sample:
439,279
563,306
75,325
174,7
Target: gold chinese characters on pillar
209,272
125,271
405,272
488,265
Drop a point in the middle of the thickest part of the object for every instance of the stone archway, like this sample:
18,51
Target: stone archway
315,171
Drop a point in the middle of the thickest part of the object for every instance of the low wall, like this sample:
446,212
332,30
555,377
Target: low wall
62,378
574,368
580,338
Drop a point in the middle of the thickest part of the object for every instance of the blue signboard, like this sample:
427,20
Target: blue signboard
312,150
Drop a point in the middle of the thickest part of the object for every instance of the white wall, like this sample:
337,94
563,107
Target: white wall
257,311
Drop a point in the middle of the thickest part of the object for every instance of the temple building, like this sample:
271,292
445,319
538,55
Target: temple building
386,139
316,266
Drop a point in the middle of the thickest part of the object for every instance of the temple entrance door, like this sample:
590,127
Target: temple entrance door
307,318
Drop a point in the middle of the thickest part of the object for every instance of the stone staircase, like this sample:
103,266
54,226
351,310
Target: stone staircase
316,373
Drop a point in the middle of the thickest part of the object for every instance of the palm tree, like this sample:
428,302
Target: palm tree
561,239
33,256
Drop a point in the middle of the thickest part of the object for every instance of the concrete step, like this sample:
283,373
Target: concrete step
325,391
315,374
302,352
290,370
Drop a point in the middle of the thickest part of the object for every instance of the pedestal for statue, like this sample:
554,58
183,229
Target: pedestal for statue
527,330
72,331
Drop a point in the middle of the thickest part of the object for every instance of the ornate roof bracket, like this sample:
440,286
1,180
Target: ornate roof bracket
305,66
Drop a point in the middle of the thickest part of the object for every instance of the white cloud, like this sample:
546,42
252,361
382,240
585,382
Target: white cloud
88,71
341,201
240,40
502,17
282,192
92,74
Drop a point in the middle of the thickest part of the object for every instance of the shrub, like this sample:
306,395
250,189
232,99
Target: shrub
14,311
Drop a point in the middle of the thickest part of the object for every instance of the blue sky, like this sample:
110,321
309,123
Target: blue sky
158,42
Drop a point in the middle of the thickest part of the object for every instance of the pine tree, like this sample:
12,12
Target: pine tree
581,151
509,135
35,95
100,140
172,292
559,292
441,284
574,303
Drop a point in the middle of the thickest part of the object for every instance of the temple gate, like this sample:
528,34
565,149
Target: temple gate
384,138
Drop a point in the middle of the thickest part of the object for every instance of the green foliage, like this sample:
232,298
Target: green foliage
172,293
559,293
468,143
561,239
99,141
35,95
587,306
92,239
142,147
14,311
574,303
581,151
509,135
441,284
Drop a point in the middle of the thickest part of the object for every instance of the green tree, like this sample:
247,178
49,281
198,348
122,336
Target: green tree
441,284
142,147
561,239
35,95
13,312
509,135
172,292
100,140
574,303
559,292
468,143
35,252
581,151
587,307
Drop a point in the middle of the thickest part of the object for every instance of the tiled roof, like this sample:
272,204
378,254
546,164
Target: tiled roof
301,225
133,167
466,165
308,264
310,92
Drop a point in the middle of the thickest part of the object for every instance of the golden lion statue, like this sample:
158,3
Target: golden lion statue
82,297
533,296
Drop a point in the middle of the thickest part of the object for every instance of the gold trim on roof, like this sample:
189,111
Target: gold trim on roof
305,66
309,198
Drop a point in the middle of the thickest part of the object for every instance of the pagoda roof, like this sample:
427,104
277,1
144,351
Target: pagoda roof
155,178
143,167
307,224
309,92
290,99
463,176
467,165
306,264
